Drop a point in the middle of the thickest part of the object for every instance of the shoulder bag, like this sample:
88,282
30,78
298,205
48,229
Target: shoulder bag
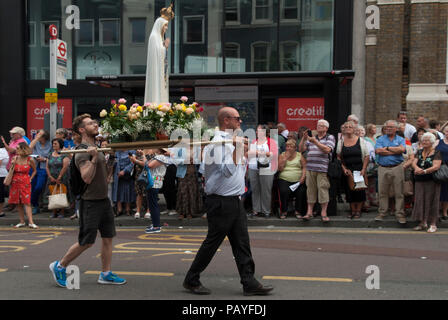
58,199
440,176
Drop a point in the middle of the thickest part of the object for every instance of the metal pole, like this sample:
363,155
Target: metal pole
53,85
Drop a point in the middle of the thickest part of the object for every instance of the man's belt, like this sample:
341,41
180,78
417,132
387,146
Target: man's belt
392,166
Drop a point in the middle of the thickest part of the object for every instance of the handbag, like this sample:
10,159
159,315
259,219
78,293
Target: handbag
58,199
8,178
441,175
145,178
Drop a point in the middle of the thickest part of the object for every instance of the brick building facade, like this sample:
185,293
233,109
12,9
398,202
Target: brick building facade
406,61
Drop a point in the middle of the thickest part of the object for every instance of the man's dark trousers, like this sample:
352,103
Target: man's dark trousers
226,217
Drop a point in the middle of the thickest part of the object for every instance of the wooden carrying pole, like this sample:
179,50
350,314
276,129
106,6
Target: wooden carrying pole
155,144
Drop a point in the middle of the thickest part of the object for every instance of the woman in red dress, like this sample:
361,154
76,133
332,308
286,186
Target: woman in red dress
20,191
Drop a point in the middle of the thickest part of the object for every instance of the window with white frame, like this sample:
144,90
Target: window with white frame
260,56
31,73
109,32
290,9
138,30
262,10
85,36
194,29
45,32
289,56
232,11
232,50
31,33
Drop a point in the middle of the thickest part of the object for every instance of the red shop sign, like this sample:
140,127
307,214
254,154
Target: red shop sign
298,112
37,108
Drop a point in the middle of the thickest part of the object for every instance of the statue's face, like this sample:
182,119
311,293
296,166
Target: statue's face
164,28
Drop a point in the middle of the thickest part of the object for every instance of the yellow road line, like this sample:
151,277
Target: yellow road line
3,270
131,273
307,279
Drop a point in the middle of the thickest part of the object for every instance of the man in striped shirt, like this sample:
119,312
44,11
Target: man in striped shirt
319,149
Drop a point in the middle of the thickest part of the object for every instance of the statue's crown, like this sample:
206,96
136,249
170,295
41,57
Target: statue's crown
167,13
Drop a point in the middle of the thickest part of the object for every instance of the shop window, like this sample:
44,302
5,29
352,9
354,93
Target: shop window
232,11
260,57
109,32
194,29
31,73
137,69
85,36
138,30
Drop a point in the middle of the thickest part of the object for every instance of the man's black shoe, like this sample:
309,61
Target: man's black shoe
197,289
260,291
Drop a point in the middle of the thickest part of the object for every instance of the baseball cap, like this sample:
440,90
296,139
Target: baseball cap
19,130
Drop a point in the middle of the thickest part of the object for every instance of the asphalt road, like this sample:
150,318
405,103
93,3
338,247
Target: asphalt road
302,264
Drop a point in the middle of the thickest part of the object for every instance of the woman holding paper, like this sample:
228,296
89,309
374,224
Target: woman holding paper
291,181
354,156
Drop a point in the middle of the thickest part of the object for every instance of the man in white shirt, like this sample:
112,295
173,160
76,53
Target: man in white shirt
409,130
224,172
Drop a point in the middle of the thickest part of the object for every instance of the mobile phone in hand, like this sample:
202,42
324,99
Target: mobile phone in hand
310,134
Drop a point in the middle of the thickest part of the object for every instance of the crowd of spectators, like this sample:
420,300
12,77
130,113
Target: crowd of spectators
290,172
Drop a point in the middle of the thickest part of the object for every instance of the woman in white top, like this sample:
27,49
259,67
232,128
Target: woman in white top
157,163
4,159
263,155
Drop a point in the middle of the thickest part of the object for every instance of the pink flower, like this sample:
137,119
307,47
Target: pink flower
184,99
122,101
113,102
135,105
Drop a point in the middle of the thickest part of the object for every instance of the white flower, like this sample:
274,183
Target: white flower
103,113
189,111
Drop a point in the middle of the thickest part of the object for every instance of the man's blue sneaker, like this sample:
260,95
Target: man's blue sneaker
153,229
110,278
59,274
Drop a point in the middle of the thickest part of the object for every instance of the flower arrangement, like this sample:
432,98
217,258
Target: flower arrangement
147,122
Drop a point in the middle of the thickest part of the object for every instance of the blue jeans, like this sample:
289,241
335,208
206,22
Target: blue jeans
37,186
153,205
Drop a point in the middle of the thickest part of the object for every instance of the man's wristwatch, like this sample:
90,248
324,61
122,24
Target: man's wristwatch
387,148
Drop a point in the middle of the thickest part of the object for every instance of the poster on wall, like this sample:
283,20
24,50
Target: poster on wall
300,112
37,108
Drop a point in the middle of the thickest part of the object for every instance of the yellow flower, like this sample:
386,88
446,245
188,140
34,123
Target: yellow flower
139,109
112,114
184,108
159,107
122,107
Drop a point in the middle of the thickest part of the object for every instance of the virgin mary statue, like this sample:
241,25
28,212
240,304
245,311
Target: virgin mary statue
157,87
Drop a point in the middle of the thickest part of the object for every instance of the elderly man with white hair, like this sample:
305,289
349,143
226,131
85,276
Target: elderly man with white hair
390,148
319,148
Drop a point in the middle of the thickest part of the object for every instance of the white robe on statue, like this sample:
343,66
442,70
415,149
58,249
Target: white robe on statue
156,89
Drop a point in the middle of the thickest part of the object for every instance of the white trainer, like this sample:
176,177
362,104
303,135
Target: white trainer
137,215
147,215
172,213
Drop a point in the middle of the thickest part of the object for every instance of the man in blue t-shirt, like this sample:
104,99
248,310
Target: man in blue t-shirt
390,148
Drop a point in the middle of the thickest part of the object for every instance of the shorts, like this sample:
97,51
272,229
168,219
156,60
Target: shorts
318,186
95,215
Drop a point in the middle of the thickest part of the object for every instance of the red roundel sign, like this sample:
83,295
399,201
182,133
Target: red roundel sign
53,32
